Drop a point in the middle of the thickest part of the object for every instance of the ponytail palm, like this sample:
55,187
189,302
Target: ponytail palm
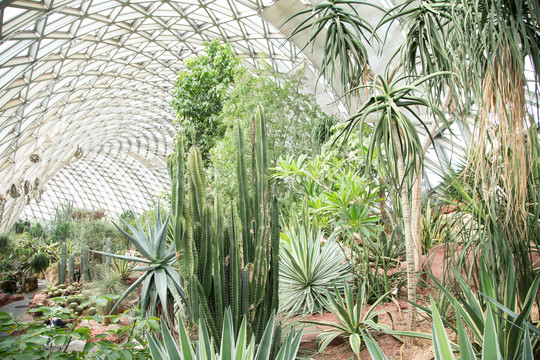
345,32
395,135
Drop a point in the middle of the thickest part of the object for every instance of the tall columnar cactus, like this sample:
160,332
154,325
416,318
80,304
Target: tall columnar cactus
108,249
217,273
71,269
179,224
62,264
262,237
91,267
85,265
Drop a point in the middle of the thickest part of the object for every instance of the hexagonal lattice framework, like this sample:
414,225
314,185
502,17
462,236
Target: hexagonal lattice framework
85,92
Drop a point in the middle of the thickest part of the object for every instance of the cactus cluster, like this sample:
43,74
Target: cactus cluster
209,240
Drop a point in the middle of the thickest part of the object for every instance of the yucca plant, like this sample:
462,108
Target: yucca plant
489,344
311,267
239,347
161,287
355,319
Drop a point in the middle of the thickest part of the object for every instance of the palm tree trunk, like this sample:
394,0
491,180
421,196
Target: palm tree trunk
409,241
416,193
416,214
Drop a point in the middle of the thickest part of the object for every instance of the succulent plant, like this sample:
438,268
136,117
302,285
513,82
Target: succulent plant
85,266
161,286
234,347
62,264
71,269
208,242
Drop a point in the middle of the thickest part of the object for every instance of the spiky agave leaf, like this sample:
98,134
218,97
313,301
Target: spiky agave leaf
160,282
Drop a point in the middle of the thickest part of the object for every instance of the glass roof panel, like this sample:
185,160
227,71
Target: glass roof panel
87,85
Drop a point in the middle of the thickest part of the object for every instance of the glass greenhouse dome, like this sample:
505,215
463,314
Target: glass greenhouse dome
312,156
86,88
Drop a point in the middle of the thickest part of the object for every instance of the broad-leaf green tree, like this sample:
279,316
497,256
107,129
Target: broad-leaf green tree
200,92
291,117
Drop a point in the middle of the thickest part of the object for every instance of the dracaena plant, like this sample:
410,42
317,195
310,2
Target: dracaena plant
161,287
345,33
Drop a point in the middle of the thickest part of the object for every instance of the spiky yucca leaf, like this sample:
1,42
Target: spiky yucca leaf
310,268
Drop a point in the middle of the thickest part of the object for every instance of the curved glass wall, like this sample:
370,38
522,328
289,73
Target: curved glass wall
85,93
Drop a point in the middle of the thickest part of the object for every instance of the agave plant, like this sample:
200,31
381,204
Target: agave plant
161,286
489,343
489,325
355,322
124,268
310,270
231,348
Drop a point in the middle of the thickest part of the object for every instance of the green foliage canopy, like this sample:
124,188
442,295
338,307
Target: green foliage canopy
291,116
200,92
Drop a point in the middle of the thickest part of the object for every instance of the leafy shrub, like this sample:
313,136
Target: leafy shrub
290,113
9,284
6,265
94,235
36,341
62,232
339,195
6,245
39,262
38,231
21,226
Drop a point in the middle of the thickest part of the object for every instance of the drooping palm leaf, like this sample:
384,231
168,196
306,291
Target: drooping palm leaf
345,35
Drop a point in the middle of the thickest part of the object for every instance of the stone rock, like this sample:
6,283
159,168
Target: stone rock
125,321
16,297
38,298
4,299
97,329
30,284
